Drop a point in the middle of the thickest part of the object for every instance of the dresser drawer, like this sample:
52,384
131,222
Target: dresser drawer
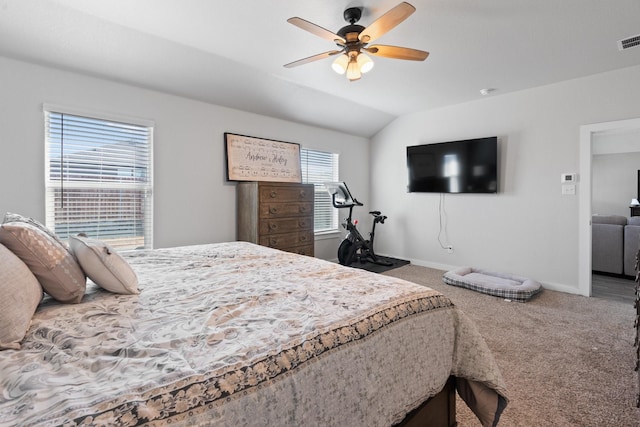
287,240
277,193
301,250
285,225
283,210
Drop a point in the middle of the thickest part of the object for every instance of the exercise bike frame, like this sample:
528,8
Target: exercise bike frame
355,247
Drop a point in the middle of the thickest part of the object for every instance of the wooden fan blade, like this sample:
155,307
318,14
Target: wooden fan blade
397,52
313,58
316,29
386,22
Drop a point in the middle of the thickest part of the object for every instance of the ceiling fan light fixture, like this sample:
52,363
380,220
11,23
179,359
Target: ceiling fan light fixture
364,63
340,64
353,70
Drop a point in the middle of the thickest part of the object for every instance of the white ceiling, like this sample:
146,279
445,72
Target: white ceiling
232,53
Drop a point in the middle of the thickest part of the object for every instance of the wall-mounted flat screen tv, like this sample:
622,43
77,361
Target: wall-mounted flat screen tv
466,166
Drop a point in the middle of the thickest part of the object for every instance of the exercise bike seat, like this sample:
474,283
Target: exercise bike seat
375,213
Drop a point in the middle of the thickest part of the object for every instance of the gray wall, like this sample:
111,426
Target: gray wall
528,228
193,204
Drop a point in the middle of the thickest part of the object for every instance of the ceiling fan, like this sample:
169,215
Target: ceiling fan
354,39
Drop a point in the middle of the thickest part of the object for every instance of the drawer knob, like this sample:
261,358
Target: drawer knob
273,226
273,242
302,209
273,210
303,194
302,224
273,194
303,238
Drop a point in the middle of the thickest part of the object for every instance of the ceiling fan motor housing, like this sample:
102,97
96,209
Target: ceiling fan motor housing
350,32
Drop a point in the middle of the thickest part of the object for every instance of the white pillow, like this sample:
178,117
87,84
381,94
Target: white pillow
103,265
21,294
53,265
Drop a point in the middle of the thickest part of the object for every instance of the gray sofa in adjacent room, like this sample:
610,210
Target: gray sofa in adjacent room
631,245
615,242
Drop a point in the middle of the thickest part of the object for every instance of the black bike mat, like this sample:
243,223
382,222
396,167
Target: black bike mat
377,268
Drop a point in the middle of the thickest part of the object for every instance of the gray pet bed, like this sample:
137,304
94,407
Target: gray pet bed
507,286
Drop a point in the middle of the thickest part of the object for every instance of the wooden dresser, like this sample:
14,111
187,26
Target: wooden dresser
278,215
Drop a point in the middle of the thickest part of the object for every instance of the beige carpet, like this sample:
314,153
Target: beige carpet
567,360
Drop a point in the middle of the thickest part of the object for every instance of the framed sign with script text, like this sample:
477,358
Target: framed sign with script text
258,159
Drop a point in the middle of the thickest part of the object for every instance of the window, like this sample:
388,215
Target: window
98,178
319,167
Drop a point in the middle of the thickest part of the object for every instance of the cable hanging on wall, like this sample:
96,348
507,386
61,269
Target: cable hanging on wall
442,214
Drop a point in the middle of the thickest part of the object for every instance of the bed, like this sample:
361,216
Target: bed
236,334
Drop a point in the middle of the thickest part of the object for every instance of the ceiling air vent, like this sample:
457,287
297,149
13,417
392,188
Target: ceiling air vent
629,42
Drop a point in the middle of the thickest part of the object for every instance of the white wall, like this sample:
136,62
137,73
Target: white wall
616,142
614,180
615,162
193,203
528,228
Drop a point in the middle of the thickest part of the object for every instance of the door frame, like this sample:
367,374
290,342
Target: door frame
587,133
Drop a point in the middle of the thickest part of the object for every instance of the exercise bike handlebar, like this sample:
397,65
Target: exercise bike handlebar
337,204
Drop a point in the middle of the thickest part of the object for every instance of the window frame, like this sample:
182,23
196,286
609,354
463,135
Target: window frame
147,186
319,189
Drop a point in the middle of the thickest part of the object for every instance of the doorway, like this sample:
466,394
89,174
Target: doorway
588,135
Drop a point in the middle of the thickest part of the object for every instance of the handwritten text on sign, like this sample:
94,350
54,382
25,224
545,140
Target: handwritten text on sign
256,159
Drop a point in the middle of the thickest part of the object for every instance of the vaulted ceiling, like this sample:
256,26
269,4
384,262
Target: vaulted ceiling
232,53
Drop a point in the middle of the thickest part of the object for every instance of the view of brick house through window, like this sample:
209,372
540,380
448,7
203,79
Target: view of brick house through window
98,179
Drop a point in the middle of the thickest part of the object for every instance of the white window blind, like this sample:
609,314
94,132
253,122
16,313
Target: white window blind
319,167
98,179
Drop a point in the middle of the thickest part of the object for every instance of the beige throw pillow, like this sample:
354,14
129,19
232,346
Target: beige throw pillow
103,265
21,294
14,217
53,265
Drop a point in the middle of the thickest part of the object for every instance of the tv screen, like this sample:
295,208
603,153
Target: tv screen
466,166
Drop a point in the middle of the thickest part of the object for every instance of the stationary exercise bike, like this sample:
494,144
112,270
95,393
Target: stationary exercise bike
354,247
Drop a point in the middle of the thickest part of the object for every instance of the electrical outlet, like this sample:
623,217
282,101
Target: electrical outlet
450,249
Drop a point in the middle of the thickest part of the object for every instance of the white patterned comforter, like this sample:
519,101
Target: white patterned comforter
235,334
